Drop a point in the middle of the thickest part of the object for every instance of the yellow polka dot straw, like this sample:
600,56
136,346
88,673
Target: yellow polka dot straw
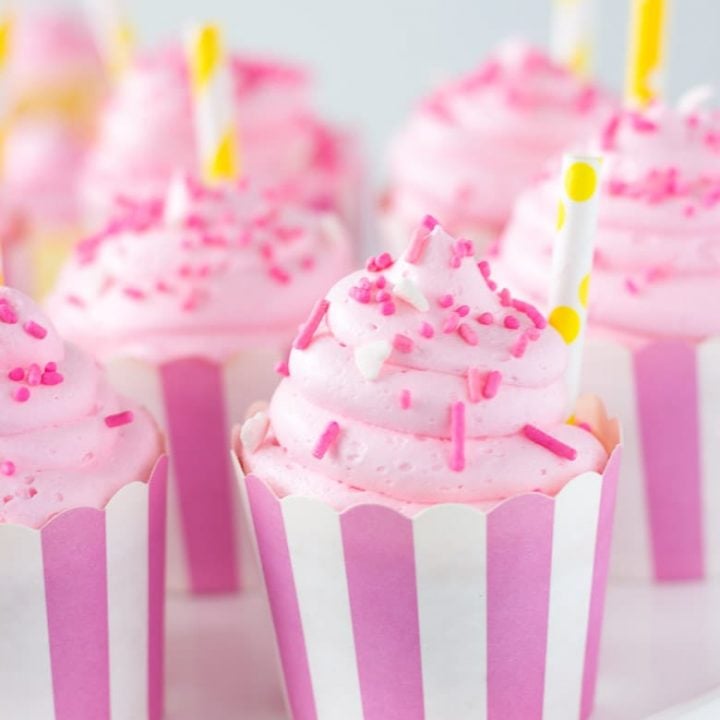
571,34
115,34
646,51
573,257
212,95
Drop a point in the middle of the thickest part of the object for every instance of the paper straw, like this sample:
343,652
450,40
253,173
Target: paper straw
646,51
572,259
571,34
115,34
212,98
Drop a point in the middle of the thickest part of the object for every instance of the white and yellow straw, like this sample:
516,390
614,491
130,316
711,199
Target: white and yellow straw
646,51
573,257
212,95
571,34
115,34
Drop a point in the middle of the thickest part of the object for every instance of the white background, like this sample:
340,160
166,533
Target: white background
372,58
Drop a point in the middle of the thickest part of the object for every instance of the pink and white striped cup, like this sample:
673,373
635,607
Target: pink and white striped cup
82,610
453,614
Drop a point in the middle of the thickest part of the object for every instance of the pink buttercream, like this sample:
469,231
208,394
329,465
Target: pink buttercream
147,133
56,449
658,256
205,274
476,142
448,444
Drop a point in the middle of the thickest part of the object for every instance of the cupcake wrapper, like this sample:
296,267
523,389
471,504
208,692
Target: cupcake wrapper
453,613
667,397
196,401
82,610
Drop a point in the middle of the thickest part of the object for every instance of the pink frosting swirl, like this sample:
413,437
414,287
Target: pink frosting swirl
66,439
282,140
477,141
658,256
445,416
203,274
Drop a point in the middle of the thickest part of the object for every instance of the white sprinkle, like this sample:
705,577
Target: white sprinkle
369,358
407,290
254,431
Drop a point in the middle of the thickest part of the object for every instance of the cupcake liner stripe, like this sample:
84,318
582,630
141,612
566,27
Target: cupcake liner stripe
194,393
667,396
81,617
453,613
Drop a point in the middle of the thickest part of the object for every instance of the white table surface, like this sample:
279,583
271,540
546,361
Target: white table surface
661,647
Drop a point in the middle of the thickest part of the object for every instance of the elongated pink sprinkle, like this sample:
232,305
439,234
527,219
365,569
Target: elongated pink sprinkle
631,286
308,329
279,275
50,367
450,324
134,293
426,330
21,394
383,296
492,384
468,334
519,348
34,329
7,314
474,382
457,435
387,308
486,318
34,374
537,318
484,267
405,399
50,377
550,443
511,322
505,297
420,239
462,310
445,301
329,434
16,374
403,343
282,368
7,467
118,419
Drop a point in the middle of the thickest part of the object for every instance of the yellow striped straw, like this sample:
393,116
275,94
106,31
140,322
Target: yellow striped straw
115,34
571,34
212,95
646,52
572,259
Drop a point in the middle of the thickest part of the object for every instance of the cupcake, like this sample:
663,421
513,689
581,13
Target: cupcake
42,159
54,67
433,532
474,143
282,140
653,333
82,503
191,302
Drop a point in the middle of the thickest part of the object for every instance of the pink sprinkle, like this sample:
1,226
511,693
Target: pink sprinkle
7,314
279,275
282,368
50,367
445,301
388,308
50,377
537,318
325,440
420,239
426,330
34,374
308,329
631,286
121,418
486,318
457,435
307,262
381,282
643,124
383,296
474,381
689,211
16,374
468,334
492,384
34,329
403,343
511,322
451,323
134,293
360,294
609,132
584,426
462,310
21,394
484,267
7,468
405,399
384,261
549,442
519,348
505,298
